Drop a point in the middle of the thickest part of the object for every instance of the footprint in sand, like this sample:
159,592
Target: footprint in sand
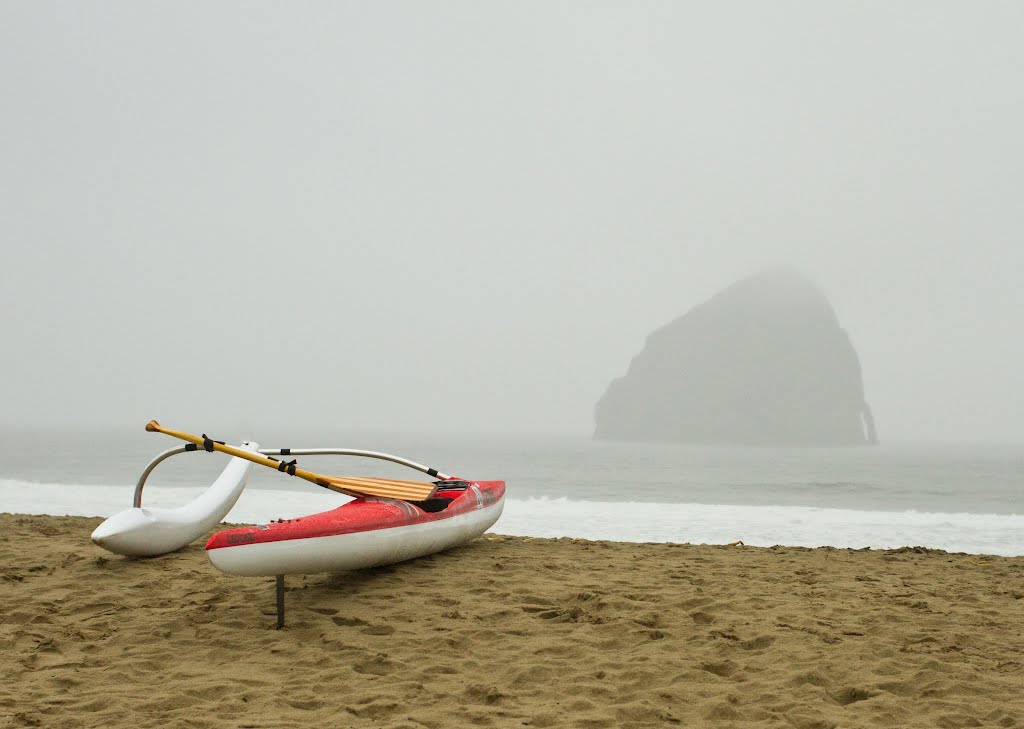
376,666
347,621
758,643
378,630
724,669
850,695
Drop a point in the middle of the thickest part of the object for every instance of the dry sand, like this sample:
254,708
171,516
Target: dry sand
511,632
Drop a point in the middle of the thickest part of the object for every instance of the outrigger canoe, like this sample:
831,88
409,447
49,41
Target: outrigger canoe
369,531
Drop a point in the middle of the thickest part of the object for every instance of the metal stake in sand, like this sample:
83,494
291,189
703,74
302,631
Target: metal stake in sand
385,487
280,601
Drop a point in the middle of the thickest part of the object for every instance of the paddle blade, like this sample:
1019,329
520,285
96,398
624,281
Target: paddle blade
384,487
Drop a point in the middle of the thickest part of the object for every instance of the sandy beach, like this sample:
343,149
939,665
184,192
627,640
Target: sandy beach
511,632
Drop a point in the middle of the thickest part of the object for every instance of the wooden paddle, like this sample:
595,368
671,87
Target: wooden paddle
385,487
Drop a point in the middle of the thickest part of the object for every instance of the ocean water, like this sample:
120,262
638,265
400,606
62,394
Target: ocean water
966,498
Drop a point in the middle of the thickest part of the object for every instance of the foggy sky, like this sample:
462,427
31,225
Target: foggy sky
468,216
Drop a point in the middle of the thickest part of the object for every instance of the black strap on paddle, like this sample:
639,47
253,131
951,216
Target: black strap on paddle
285,466
208,443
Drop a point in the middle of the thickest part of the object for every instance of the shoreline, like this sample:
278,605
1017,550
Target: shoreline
511,631
635,521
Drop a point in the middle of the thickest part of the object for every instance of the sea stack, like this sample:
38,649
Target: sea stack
764,362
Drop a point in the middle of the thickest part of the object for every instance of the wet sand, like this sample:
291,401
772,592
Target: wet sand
511,632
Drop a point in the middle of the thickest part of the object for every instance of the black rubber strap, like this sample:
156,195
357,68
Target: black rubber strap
286,451
208,443
288,467
191,447
432,472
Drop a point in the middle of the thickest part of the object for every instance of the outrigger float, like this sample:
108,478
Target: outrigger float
388,520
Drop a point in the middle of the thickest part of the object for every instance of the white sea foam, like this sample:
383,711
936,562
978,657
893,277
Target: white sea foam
561,517
764,525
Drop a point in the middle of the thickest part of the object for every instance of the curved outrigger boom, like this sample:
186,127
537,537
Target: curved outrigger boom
433,472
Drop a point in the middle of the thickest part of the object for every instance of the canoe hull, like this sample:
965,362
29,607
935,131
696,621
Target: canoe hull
363,533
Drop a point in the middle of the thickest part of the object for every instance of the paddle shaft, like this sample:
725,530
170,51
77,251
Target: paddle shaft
357,487
155,427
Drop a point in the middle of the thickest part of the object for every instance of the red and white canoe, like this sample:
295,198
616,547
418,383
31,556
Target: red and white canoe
365,532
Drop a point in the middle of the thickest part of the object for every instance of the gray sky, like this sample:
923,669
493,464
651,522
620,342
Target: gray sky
468,216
